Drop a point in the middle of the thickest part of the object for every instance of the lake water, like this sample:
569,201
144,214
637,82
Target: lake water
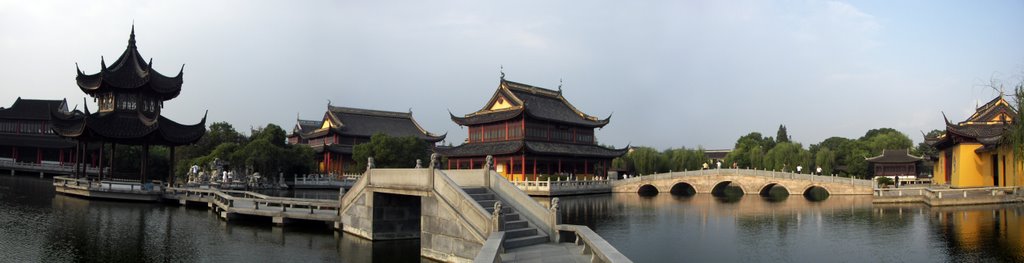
37,225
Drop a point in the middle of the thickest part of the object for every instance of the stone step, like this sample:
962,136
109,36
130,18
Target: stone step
475,190
525,241
511,217
484,196
522,232
488,204
504,209
516,224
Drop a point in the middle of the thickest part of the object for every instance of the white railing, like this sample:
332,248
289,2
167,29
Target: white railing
933,193
50,167
559,186
108,186
594,244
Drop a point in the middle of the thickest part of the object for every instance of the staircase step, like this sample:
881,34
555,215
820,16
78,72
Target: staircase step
511,216
517,224
487,203
522,232
504,209
484,196
525,241
475,190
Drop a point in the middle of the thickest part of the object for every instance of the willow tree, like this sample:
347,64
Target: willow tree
1015,134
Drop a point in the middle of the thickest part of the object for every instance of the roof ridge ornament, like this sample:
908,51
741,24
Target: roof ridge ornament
559,86
131,38
501,69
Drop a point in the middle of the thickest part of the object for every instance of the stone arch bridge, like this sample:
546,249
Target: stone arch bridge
750,181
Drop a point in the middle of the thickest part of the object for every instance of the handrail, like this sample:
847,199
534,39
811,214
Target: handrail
595,244
523,203
464,205
746,172
492,249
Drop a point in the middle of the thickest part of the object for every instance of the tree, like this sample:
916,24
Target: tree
390,152
646,160
927,150
826,159
1015,134
272,133
782,136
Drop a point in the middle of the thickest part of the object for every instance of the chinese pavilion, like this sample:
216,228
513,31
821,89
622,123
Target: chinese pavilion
895,163
972,153
340,129
25,134
530,131
130,95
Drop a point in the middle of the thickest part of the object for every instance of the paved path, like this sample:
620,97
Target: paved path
548,252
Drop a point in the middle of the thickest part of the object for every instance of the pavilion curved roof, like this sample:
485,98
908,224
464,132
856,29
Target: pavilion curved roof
130,72
537,102
126,128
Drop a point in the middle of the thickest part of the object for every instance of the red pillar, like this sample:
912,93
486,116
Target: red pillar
329,168
39,155
586,167
535,169
523,165
559,165
61,158
511,163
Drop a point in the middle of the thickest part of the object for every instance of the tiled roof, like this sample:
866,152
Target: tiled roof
26,109
127,128
130,72
537,102
547,148
894,156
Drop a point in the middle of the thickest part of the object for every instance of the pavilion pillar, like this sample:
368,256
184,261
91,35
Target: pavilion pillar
511,163
535,168
61,158
113,152
145,162
170,168
78,147
39,155
522,165
559,165
586,167
328,165
85,154
101,161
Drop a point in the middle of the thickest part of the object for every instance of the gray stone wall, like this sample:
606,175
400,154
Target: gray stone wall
395,216
358,220
444,237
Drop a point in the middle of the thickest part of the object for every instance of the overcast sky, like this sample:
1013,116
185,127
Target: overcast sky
680,73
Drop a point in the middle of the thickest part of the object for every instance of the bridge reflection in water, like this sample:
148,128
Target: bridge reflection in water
706,228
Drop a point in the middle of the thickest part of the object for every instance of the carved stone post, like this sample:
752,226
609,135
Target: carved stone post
433,165
555,219
369,166
497,220
419,164
488,165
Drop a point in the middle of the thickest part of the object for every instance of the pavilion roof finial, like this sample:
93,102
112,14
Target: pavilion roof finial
501,69
559,86
131,38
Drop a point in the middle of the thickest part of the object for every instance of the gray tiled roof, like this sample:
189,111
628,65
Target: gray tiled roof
894,156
26,109
131,72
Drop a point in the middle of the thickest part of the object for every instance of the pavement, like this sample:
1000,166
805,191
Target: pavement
548,252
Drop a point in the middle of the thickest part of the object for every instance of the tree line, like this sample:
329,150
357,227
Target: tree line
834,155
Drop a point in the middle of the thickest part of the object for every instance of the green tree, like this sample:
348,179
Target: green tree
826,159
272,133
781,135
390,152
1015,134
927,150
646,160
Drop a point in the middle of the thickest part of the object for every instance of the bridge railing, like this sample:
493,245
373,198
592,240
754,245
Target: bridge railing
419,179
49,167
554,186
451,194
968,192
107,185
750,172
594,244
545,219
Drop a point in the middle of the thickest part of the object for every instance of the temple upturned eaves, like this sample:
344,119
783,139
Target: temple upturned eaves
130,95
341,128
529,131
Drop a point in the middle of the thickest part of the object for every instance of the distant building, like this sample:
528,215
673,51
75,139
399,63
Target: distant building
715,156
972,153
895,163
531,131
26,133
334,135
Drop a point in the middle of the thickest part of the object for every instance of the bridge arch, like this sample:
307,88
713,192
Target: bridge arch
683,189
719,188
816,192
765,190
647,190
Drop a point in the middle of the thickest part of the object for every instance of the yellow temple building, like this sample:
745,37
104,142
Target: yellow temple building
972,153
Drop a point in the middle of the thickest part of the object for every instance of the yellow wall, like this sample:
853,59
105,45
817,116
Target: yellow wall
972,169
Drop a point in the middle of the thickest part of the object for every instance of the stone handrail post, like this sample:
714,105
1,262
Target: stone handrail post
555,219
497,222
433,166
369,166
487,171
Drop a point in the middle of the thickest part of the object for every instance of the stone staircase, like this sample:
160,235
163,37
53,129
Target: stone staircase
518,231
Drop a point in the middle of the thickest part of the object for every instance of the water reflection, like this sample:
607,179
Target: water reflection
37,225
706,228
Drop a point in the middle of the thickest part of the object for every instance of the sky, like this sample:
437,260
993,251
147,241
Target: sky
671,74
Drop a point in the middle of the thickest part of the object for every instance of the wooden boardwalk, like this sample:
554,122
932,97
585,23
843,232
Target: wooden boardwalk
229,203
